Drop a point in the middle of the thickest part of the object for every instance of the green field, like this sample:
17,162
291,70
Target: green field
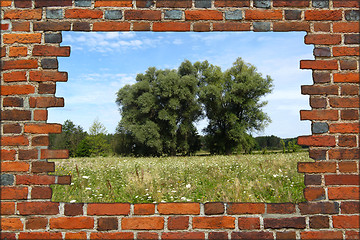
237,178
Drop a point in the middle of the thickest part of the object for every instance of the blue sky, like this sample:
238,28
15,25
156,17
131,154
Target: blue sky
101,63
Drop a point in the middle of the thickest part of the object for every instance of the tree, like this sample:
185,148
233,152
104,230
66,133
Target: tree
232,104
159,111
96,140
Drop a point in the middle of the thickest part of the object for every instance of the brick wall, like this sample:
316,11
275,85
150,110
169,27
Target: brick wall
30,44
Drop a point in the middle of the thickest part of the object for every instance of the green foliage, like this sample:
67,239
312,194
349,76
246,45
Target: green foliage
232,104
96,140
159,111
69,139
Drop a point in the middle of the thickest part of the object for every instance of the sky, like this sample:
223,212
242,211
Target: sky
102,63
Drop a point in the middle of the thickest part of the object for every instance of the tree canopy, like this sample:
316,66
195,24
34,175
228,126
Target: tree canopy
160,110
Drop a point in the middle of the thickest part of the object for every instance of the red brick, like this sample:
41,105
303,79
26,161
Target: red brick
317,154
317,141
217,235
344,128
42,166
231,26
179,208
321,235
151,15
16,115
232,3
178,223
7,154
321,15
40,141
142,223
324,39
64,180
52,26
111,26
348,64
319,208
42,50
21,26
316,167
112,235
342,179
318,102
14,76
7,208
23,3
116,3
83,13
35,180
14,167
245,208
40,235
340,154
319,64
72,223
290,26
75,235
347,141
314,193
42,102
346,51
144,209
42,128
343,193
319,90
223,222
147,235
4,26
346,221
3,50
48,88
352,235
22,38
252,235
19,64
203,15
280,208
5,3
317,222
349,90
141,26
201,27
41,193
347,3
17,90
346,77
40,115
248,223
278,223
7,235
38,208
108,209
321,77
346,27
54,154
73,209
263,14
348,167
108,223
350,207
28,154
52,3
171,26
182,235
18,51
321,27
293,3
11,224
14,141
35,14
212,208
174,4
286,235
13,102
17,193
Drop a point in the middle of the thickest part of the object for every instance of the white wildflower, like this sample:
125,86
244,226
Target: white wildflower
72,201
188,185
86,177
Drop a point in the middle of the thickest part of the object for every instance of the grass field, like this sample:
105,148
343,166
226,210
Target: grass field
238,178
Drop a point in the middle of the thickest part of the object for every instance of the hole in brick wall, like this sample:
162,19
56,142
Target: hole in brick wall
102,63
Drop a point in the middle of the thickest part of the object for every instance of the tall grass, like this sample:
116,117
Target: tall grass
238,178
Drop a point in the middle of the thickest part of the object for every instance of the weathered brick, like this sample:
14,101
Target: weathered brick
83,13
233,15
52,26
347,141
252,235
40,235
221,222
49,63
108,209
173,14
318,102
75,235
34,14
7,208
321,27
346,51
182,235
348,64
346,222
113,14
323,15
341,154
201,27
218,235
42,166
203,3
349,102
263,14
142,15
20,26
290,26
111,26
320,3
7,154
344,179
36,223
106,224
319,115
319,64
141,26
232,3
18,51
324,39
280,208
261,26
319,222
145,3
16,115
41,193
40,50
293,14
52,3
203,15
348,3
54,13
319,127
7,179
314,193
322,52
321,77
317,154
144,209
346,27
14,141
112,235
40,141
13,102
23,3
286,235
292,3
348,167
174,4
213,208
248,223
13,193
319,208
231,26
178,223
35,180
312,179
42,128
142,223
352,15
53,38
11,224
73,209
277,223
22,38
319,90
350,207
262,3
316,167
28,154
245,208
349,90
81,26
147,235
82,3
17,90
113,3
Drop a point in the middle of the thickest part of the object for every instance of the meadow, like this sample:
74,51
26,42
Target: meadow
237,178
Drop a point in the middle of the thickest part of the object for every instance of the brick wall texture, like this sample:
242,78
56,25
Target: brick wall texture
30,44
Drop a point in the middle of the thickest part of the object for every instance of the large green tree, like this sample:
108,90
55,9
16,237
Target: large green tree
159,111
232,103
